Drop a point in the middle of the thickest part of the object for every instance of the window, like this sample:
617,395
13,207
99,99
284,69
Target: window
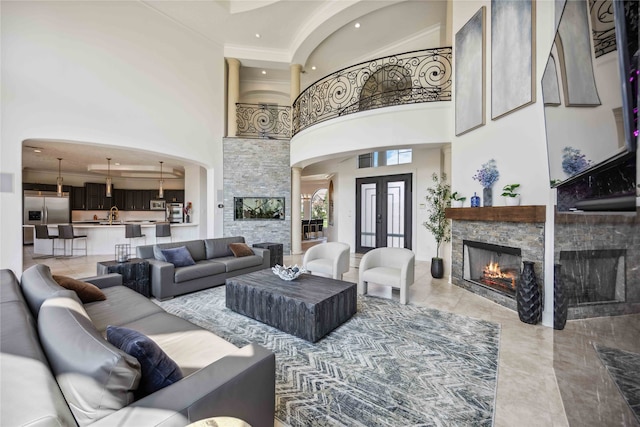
385,158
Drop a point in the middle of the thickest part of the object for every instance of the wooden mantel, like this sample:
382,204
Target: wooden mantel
531,213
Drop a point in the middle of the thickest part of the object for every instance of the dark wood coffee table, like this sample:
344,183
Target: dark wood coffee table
308,307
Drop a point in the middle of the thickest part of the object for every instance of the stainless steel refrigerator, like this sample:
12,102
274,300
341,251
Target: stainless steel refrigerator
43,207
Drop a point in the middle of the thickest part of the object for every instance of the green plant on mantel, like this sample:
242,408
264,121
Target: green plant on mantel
509,190
438,198
458,197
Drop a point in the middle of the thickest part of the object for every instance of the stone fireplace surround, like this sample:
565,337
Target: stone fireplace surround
514,226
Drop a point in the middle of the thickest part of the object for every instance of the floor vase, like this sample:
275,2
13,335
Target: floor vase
528,298
560,307
437,268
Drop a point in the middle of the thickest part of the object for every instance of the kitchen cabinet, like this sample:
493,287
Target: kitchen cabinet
45,187
174,196
78,198
119,199
133,200
95,196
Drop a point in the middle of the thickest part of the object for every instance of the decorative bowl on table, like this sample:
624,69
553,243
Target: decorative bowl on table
287,273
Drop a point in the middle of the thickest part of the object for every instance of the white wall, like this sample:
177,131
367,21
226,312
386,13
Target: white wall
113,73
516,141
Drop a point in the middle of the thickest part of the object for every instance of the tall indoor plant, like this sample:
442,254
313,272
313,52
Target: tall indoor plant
438,199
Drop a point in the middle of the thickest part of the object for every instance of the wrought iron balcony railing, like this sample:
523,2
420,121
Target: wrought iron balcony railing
406,78
263,121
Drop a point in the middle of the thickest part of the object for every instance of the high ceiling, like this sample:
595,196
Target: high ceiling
313,33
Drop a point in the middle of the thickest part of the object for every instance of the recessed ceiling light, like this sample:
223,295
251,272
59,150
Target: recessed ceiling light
37,150
313,68
357,25
257,35
264,72
117,164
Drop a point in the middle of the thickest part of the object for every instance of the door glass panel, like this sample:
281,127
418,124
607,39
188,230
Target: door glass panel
395,214
368,215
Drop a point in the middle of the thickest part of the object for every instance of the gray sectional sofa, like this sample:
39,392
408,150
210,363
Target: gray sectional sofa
214,263
59,370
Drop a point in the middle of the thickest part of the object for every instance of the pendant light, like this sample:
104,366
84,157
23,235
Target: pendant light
161,190
59,180
108,191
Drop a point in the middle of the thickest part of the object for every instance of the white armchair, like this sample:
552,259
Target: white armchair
387,266
327,259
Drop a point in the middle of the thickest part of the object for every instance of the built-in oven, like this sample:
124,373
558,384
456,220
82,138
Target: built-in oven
175,212
158,205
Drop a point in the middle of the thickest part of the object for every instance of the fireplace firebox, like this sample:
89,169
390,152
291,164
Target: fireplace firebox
492,266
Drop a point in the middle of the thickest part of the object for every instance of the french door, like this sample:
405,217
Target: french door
383,212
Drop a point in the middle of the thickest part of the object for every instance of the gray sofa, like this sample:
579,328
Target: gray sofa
214,264
59,370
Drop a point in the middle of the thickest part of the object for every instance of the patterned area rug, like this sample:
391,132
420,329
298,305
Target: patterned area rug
389,365
624,368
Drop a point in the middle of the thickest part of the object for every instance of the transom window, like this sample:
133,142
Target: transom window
385,158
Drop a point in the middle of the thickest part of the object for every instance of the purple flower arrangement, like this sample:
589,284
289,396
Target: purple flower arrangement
488,174
573,161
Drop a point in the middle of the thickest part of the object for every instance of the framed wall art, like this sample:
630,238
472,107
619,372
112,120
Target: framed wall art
469,74
512,59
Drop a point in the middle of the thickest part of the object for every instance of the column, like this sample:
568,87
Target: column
295,69
296,219
233,95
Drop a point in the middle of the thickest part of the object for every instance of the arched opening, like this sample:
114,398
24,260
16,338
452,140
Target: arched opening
387,86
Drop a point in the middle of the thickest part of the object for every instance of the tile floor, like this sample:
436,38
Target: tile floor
545,377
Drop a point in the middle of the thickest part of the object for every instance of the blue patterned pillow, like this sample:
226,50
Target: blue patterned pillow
158,369
180,256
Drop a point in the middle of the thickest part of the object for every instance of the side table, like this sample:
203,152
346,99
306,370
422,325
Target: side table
135,273
275,250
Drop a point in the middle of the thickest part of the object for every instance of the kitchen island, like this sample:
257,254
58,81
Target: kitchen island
102,238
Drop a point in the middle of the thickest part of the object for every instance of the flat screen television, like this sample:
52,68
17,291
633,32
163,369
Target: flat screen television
590,95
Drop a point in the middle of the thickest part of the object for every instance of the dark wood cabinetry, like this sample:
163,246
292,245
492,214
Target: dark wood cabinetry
174,196
78,198
119,199
95,196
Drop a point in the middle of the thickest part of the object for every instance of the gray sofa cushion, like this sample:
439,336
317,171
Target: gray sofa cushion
201,269
96,378
217,248
195,247
122,306
38,285
234,264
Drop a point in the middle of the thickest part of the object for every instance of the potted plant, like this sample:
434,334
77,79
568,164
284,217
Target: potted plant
509,193
457,200
438,199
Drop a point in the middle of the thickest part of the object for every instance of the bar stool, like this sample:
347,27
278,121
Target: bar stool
133,231
163,229
65,232
42,232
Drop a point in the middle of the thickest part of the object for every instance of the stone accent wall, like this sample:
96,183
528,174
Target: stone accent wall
529,237
601,231
257,168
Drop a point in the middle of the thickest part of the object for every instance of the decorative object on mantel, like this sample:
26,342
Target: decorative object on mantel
475,201
560,307
573,161
439,198
528,296
487,175
511,198
287,273
457,200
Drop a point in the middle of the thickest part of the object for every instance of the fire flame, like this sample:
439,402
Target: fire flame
492,270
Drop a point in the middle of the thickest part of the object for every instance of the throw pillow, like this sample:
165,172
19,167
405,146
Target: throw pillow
87,292
180,256
240,249
158,370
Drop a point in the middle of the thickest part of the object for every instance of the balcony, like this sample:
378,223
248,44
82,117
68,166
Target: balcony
407,78
267,121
